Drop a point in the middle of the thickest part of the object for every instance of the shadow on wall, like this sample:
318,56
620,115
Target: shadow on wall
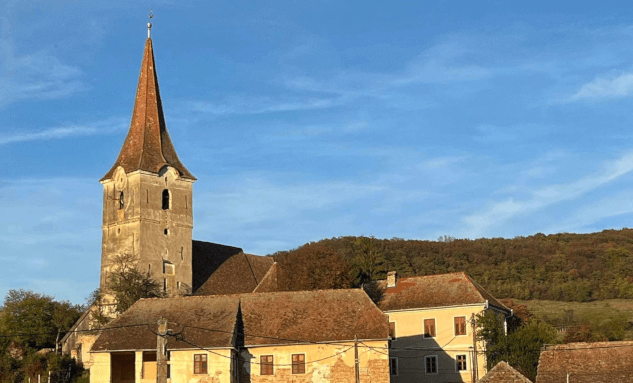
422,359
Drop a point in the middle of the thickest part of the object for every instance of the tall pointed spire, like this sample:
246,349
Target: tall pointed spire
148,145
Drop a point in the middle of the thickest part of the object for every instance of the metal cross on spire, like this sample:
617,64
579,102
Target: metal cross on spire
149,24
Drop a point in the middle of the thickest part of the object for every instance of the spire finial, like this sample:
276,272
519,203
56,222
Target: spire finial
149,24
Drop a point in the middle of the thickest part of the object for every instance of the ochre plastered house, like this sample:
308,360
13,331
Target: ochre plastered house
432,327
304,336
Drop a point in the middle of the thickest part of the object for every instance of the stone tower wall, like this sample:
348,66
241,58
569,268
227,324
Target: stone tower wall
159,240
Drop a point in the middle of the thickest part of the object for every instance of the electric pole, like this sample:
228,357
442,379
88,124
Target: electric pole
357,362
161,351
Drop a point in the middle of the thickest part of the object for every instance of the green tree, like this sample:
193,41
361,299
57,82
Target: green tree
39,320
368,261
520,348
127,284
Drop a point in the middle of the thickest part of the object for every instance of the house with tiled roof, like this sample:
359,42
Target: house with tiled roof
304,336
598,362
502,372
432,325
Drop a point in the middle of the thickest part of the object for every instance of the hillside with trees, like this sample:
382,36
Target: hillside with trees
563,267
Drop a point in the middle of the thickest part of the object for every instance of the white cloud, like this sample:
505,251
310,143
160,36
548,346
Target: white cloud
499,212
39,75
606,88
73,130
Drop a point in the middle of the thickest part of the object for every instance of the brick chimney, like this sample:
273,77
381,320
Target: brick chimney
391,279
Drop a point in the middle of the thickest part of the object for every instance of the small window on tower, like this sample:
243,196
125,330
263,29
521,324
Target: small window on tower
121,200
166,199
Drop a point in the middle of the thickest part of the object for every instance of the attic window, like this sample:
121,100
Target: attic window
121,200
166,199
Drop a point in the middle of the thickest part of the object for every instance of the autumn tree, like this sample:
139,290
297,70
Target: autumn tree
127,284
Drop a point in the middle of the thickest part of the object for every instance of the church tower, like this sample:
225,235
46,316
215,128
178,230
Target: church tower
147,195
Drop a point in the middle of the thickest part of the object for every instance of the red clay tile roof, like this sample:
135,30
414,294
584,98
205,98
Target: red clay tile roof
599,362
434,291
213,312
220,269
148,145
311,316
269,283
504,373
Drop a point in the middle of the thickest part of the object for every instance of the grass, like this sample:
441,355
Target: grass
564,313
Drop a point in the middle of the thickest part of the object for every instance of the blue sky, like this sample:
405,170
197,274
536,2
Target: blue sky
305,120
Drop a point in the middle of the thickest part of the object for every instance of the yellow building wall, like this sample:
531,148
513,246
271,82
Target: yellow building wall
100,368
445,345
219,367
323,363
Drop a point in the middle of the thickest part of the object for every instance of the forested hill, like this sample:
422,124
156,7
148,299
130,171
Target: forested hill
567,267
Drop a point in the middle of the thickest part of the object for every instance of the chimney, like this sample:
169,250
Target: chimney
391,279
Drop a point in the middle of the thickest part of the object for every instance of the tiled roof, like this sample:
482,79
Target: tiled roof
220,269
504,373
148,145
213,312
599,362
269,283
311,316
434,291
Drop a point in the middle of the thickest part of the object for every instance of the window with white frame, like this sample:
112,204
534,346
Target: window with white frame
393,366
430,363
460,363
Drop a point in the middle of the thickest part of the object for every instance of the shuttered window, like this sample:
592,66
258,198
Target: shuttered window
266,365
200,364
429,328
298,363
460,325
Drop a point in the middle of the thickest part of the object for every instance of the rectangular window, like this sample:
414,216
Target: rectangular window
460,362
429,328
393,366
266,365
298,363
460,326
200,364
392,330
431,364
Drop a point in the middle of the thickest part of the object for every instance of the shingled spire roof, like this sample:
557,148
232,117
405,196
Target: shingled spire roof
148,146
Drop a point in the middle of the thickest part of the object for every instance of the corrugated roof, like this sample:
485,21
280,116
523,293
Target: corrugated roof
599,362
504,373
148,145
311,316
184,314
440,290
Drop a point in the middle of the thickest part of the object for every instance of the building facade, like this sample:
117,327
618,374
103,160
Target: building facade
432,324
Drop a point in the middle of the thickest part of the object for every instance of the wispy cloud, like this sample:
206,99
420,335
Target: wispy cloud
605,88
89,129
245,104
499,212
39,75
